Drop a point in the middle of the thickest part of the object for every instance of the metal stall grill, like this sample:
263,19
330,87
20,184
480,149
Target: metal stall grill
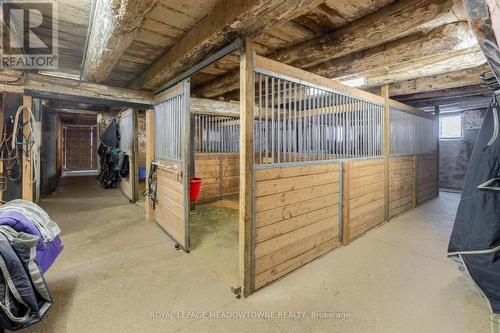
426,133
126,132
411,134
298,121
169,134
216,134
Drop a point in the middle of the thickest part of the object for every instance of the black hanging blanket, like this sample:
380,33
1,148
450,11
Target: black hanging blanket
475,240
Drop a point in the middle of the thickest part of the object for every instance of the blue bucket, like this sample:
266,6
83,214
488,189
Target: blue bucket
142,173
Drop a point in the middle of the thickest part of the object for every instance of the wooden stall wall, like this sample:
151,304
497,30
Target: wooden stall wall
169,210
220,174
363,197
401,184
427,177
297,218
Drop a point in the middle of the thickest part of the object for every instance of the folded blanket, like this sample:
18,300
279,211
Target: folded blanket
46,252
40,219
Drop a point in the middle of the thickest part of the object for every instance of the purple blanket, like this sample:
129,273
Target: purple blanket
46,253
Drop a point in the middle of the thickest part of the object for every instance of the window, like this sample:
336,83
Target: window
450,127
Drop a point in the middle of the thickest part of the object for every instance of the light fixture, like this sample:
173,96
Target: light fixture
356,82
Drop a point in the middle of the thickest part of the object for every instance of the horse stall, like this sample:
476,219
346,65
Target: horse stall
329,162
198,138
301,166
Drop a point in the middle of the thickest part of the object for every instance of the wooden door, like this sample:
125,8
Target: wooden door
79,151
172,157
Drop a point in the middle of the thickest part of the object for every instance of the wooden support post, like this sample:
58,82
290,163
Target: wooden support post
150,151
134,165
346,203
27,186
387,146
247,97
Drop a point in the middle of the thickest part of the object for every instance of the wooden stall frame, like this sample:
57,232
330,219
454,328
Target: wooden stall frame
247,176
251,63
27,185
267,66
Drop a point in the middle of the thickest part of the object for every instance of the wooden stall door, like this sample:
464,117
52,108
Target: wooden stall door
79,154
127,129
172,156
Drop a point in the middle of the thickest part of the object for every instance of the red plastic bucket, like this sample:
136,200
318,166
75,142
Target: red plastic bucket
194,188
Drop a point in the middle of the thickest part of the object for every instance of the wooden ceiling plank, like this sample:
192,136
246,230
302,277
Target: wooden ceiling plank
353,9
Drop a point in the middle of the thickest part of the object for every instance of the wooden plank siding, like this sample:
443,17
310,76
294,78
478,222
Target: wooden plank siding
220,174
427,181
169,210
364,203
401,184
297,218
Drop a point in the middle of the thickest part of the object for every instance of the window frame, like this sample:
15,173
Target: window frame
461,135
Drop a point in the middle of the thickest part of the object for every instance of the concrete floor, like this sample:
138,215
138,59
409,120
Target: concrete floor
116,270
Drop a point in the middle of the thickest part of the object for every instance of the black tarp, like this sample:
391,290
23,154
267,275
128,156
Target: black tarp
475,240
111,135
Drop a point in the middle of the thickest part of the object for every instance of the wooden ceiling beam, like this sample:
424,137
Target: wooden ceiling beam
460,105
114,26
435,65
438,42
453,79
393,22
452,102
15,81
450,93
227,20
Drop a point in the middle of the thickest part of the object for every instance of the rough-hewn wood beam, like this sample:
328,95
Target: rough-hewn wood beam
450,93
439,41
17,82
457,101
227,20
438,82
435,65
462,104
391,23
114,27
